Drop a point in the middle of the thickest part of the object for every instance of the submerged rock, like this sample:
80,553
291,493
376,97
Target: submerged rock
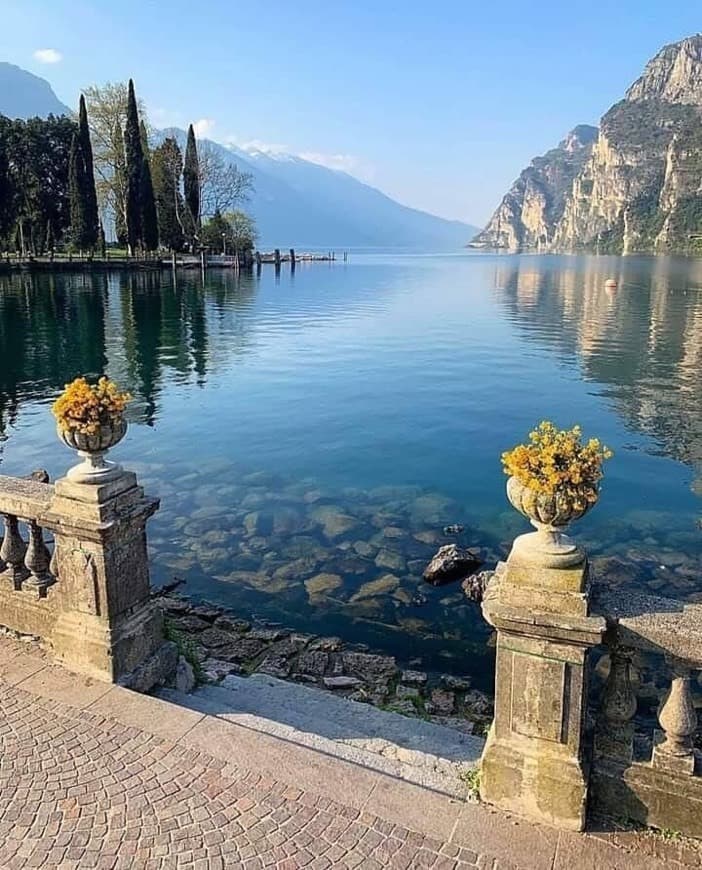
451,562
390,559
335,523
322,583
382,586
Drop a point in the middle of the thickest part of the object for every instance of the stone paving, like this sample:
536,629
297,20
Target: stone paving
79,790
92,775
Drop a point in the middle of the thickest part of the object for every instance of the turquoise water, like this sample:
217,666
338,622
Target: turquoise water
333,421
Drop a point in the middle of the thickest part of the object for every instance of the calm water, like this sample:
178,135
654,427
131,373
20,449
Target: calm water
333,421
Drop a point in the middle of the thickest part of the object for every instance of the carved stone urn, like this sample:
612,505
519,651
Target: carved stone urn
94,468
550,514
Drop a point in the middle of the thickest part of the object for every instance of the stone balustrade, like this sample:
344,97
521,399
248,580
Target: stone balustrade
26,564
542,758
88,598
655,781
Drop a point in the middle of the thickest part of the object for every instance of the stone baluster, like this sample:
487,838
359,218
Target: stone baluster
615,728
12,551
678,719
36,561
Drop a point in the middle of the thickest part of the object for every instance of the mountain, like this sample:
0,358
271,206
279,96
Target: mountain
24,95
534,204
639,187
370,217
296,203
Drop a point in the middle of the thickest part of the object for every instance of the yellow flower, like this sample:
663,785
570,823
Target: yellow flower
86,408
557,461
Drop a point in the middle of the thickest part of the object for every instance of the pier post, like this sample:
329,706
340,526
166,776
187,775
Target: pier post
292,259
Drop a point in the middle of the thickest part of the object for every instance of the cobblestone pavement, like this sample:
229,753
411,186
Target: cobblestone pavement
80,790
92,775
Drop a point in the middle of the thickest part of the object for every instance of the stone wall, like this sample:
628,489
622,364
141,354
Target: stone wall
89,599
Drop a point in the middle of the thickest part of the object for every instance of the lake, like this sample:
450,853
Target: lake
311,434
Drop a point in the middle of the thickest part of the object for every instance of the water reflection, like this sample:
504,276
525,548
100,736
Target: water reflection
142,329
641,342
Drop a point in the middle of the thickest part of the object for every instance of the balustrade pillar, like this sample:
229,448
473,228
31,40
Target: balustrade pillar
37,560
615,727
13,550
673,749
534,759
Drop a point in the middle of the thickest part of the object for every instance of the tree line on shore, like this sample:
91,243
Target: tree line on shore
62,181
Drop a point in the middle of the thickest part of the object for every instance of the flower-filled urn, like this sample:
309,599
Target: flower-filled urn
554,479
90,419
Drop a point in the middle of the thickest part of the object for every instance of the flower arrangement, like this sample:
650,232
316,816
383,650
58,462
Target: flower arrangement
556,462
86,408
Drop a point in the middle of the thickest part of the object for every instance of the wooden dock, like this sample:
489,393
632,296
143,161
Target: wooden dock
12,263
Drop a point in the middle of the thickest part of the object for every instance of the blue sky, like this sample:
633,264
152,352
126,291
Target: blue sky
438,104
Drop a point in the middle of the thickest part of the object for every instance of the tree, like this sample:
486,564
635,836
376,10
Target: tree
222,186
233,233
243,231
34,179
107,114
191,178
83,200
216,233
119,212
6,189
166,172
134,168
149,222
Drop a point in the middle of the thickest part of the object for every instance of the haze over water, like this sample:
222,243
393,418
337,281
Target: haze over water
333,421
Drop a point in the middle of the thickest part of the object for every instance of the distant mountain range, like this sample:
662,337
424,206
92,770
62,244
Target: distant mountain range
24,95
296,203
634,184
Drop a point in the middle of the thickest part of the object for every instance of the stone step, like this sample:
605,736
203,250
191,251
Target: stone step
420,752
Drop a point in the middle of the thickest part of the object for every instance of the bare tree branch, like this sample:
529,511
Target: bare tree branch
222,185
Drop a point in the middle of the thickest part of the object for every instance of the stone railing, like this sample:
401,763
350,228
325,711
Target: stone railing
89,599
27,565
542,758
655,781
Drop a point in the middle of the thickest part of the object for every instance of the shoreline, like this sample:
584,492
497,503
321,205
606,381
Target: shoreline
218,641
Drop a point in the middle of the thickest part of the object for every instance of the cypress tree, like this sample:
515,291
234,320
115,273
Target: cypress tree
89,195
191,178
149,223
134,167
81,186
75,193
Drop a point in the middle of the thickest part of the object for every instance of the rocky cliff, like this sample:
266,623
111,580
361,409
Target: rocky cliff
639,186
534,204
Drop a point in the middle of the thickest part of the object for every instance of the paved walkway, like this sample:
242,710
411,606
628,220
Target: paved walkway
92,775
